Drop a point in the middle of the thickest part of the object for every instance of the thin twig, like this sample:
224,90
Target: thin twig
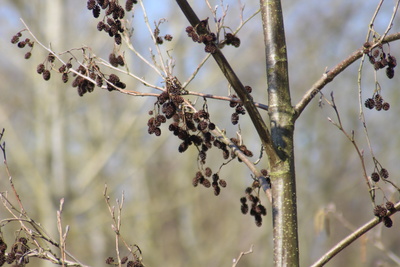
351,138
60,231
146,20
36,232
116,226
128,43
371,24
390,24
245,21
263,181
186,83
3,146
236,261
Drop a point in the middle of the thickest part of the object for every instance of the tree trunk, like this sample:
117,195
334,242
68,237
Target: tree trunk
284,205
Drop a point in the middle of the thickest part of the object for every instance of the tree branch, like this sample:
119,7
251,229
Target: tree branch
328,76
352,237
236,84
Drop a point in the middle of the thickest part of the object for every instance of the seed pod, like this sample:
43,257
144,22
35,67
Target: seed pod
46,75
244,208
375,177
51,58
14,39
217,190
129,4
390,72
113,60
109,260
96,11
384,173
28,55
389,205
236,42
91,4
235,118
118,39
385,106
392,61
387,221
168,37
64,77
222,182
369,103
120,60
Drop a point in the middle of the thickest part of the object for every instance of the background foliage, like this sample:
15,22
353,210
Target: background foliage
61,145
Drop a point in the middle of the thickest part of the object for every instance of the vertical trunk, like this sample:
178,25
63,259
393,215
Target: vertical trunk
286,251
54,32
49,124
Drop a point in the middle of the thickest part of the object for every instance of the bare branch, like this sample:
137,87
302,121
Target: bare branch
351,238
37,234
328,76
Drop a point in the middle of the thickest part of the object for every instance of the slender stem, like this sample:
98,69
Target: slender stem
226,98
199,67
146,20
236,261
396,7
351,138
128,42
371,24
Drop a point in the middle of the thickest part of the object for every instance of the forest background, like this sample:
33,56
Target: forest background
60,145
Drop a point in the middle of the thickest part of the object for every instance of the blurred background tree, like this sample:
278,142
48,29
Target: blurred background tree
62,146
